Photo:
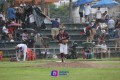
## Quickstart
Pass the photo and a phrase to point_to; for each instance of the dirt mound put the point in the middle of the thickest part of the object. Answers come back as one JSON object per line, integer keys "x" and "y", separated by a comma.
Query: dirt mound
{"x": 82, "y": 64}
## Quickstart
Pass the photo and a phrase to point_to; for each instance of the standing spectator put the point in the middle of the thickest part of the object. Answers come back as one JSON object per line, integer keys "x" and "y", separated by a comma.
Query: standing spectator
{"x": 18, "y": 15}
{"x": 104, "y": 49}
{"x": 94, "y": 27}
{"x": 55, "y": 27}
{"x": 38, "y": 42}
{"x": 106, "y": 17}
{"x": 62, "y": 38}
{"x": 117, "y": 38}
{"x": 2, "y": 14}
{"x": 11, "y": 13}
{"x": 98, "y": 15}
{"x": 21, "y": 48}
{"x": 81, "y": 8}
{"x": 88, "y": 31}
{"x": 2, "y": 24}
{"x": 111, "y": 27}
{"x": 87, "y": 12}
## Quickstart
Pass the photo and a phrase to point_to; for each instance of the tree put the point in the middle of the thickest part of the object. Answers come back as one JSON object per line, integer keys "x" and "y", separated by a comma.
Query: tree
{"x": 61, "y": 11}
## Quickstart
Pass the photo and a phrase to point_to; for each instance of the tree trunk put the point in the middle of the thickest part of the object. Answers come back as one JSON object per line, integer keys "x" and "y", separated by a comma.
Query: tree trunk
{"x": 70, "y": 10}
{"x": 42, "y": 5}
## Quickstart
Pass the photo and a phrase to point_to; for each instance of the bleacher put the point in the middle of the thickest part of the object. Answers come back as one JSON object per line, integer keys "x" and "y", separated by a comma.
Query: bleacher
{"x": 73, "y": 31}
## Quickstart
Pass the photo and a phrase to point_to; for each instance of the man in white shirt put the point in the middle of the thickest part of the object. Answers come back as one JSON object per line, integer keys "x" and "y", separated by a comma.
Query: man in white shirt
{"x": 98, "y": 15}
{"x": 21, "y": 48}
{"x": 87, "y": 11}
{"x": 104, "y": 49}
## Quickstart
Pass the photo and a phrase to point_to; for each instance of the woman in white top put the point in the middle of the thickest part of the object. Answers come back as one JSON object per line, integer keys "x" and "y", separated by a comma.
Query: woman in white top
{"x": 87, "y": 11}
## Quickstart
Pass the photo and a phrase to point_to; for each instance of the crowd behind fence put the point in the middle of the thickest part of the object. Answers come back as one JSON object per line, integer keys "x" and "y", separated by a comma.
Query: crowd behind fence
{"x": 40, "y": 52}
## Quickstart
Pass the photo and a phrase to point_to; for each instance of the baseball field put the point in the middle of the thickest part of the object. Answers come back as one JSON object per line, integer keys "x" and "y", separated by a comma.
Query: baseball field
{"x": 69, "y": 70}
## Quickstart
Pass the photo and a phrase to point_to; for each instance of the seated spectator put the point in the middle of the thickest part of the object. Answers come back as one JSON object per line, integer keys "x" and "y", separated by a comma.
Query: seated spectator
{"x": 97, "y": 50}
{"x": 88, "y": 52}
{"x": 24, "y": 36}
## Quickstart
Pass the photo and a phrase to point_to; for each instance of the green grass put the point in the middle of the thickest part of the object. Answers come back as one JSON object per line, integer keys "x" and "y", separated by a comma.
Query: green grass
{"x": 28, "y": 71}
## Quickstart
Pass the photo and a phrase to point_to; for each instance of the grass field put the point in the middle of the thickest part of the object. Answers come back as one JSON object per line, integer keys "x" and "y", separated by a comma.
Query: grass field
{"x": 40, "y": 70}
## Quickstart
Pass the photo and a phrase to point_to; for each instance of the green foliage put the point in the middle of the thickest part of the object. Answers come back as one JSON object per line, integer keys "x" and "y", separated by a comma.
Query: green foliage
{"x": 60, "y": 11}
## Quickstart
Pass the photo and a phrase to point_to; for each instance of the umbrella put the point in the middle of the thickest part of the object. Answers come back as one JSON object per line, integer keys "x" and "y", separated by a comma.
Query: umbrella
{"x": 105, "y": 3}
{"x": 84, "y": 44}
{"x": 14, "y": 24}
{"x": 82, "y": 2}
{"x": 29, "y": 30}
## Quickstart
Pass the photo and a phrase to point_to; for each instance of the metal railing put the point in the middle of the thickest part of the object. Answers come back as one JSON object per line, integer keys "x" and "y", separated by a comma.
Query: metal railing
{"x": 111, "y": 51}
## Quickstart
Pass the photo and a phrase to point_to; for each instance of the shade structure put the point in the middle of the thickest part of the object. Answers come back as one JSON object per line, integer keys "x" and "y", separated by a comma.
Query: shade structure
{"x": 82, "y": 2}
{"x": 106, "y": 3}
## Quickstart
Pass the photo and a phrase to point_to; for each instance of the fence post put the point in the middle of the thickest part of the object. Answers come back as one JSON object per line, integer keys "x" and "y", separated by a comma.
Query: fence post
{"x": 109, "y": 52}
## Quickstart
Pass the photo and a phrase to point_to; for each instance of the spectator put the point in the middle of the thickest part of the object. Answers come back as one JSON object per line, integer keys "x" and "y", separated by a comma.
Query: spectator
{"x": 94, "y": 27}
{"x": 87, "y": 51}
{"x": 104, "y": 49}
{"x": 5, "y": 33}
{"x": 106, "y": 17}
{"x": 38, "y": 42}
{"x": 117, "y": 38}
{"x": 18, "y": 16}
{"x": 88, "y": 31}
{"x": 98, "y": 32}
{"x": 81, "y": 8}
{"x": 25, "y": 36}
{"x": 62, "y": 26}
{"x": 98, "y": 15}
{"x": 55, "y": 27}
{"x": 2, "y": 14}
{"x": 87, "y": 11}
{"x": 98, "y": 50}
{"x": 111, "y": 27}
{"x": 62, "y": 38}
{"x": 11, "y": 13}
{"x": 30, "y": 42}
{"x": 2, "y": 24}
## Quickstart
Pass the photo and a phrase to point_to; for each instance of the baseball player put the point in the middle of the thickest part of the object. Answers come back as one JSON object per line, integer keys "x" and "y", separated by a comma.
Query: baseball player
{"x": 21, "y": 48}
{"x": 62, "y": 38}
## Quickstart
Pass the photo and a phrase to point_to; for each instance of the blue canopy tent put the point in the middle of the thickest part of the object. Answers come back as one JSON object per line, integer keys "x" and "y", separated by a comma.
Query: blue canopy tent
{"x": 82, "y": 2}
{"x": 105, "y": 3}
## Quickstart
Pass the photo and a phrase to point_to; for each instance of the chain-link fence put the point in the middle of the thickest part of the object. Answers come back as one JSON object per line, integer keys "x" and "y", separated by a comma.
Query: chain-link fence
{"x": 97, "y": 53}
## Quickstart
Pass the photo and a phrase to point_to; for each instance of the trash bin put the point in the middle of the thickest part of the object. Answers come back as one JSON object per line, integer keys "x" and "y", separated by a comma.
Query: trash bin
{"x": 1, "y": 55}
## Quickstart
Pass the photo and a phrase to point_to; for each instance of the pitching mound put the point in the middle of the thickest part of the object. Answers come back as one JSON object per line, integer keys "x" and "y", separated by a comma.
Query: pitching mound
{"x": 80, "y": 64}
